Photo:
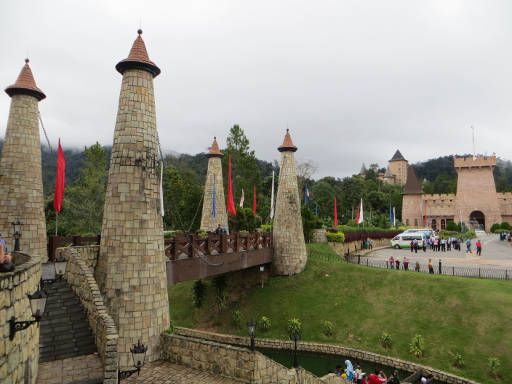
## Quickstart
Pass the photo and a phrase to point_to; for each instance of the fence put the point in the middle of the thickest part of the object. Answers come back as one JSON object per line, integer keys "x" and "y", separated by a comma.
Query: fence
{"x": 449, "y": 270}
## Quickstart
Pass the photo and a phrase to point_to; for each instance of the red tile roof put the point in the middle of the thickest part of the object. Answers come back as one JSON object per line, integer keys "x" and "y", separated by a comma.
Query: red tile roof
{"x": 214, "y": 149}
{"x": 25, "y": 84}
{"x": 138, "y": 58}
{"x": 287, "y": 143}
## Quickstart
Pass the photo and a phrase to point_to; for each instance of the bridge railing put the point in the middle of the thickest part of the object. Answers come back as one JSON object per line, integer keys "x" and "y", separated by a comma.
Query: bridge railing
{"x": 192, "y": 245}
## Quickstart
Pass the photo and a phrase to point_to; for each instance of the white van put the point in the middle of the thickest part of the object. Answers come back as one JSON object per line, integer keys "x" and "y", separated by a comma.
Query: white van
{"x": 403, "y": 240}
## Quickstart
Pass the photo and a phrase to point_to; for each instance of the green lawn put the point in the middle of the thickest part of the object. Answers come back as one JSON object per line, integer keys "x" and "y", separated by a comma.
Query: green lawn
{"x": 469, "y": 316}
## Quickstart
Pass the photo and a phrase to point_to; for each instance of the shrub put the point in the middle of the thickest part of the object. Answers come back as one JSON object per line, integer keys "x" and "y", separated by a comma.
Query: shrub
{"x": 327, "y": 328}
{"x": 505, "y": 226}
{"x": 170, "y": 330}
{"x": 495, "y": 227}
{"x": 236, "y": 318}
{"x": 294, "y": 326}
{"x": 264, "y": 323}
{"x": 266, "y": 227}
{"x": 457, "y": 359}
{"x": 219, "y": 283}
{"x": 385, "y": 340}
{"x": 494, "y": 365}
{"x": 335, "y": 237}
{"x": 417, "y": 346}
{"x": 452, "y": 226}
{"x": 198, "y": 291}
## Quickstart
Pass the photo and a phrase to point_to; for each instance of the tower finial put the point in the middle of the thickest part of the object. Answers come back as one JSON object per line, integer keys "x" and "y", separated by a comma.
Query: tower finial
{"x": 139, "y": 31}
{"x": 26, "y": 60}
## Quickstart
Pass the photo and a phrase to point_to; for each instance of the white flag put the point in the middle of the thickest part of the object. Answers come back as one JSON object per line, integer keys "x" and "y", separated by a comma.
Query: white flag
{"x": 162, "y": 188}
{"x": 360, "y": 215}
{"x": 394, "y": 217}
{"x": 242, "y": 198}
{"x": 272, "y": 199}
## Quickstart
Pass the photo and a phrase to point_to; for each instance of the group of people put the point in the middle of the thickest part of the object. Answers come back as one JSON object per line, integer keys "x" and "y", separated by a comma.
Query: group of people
{"x": 394, "y": 263}
{"x": 6, "y": 263}
{"x": 357, "y": 376}
{"x": 442, "y": 245}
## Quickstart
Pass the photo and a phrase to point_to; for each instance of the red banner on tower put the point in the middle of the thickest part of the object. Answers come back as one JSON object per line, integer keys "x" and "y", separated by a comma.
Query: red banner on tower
{"x": 231, "y": 199}
{"x": 59, "y": 180}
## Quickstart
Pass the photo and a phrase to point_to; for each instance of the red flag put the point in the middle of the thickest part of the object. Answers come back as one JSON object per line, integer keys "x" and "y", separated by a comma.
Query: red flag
{"x": 59, "y": 180}
{"x": 335, "y": 213}
{"x": 231, "y": 200}
{"x": 254, "y": 199}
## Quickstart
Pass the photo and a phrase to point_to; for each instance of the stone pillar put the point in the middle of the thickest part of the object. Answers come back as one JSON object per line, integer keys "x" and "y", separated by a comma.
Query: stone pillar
{"x": 131, "y": 265}
{"x": 21, "y": 183}
{"x": 289, "y": 247}
{"x": 214, "y": 187}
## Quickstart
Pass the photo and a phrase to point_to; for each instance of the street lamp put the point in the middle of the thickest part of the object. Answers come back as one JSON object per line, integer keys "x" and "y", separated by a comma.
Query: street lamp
{"x": 37, "y": 304}
{"x": 295, "y": 337}
{"x": 16, "y": 230}
{"x": 53, "y": 271}
{"x": 251, "y": 327}
{"x": 139, "y": 356}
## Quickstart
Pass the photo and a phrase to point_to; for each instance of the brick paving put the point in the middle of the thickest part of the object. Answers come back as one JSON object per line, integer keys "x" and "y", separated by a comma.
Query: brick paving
{"x": 163, "y": 372}
{"x": 84, "y": 369}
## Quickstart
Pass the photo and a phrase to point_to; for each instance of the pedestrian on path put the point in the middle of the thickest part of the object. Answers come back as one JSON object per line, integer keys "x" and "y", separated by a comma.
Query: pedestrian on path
{"x": 406, "y": 263}
{"x": 430, "y": 267}
{"x": 479, "y": 247}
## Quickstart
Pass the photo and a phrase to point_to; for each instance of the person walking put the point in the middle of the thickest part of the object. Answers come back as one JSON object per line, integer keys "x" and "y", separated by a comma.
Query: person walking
{"x": 468, "y": 246}
{"x": 479, "y": 247}
{"x": 391, "y": 262}
{"x": 430, "y": 267}
{"x": 417, "y": 266}
{"x": 406, "y": 263}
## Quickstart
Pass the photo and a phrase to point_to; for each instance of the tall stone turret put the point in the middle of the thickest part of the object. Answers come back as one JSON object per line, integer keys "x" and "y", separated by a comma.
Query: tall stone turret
{"x": 21, "y": 183}
{"x": 213, "y": 215}
{"x": 289, "y": 247}
{"x": 131, "y": 265}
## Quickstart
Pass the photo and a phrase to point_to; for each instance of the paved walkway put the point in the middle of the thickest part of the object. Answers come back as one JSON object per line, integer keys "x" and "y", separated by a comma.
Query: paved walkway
{"x": 163, "y": 372}
{"x": 495, "y": 253}
{"x": 86, "y": 368}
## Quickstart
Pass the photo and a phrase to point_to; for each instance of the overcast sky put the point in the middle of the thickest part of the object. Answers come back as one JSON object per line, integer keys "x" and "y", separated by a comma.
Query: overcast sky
{"x": 353, "y": 80}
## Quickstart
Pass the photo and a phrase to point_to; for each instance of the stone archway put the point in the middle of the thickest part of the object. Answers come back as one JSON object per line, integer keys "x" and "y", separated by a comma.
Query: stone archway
{"x": 477, "y": 220}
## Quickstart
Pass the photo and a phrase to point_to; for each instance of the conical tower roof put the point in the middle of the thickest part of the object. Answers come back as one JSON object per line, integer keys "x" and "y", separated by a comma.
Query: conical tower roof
{"x": 287, "y": 143}
{"x": 138, "y": 58}
{"x": 397, "y": 156}
{"x": 214, "y": 149}
{"x": 412, "y": 185}
{"x": 25, "y": 84}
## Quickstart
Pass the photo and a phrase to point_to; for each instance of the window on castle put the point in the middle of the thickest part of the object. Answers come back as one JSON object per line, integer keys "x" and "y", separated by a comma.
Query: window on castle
{"x": 415, "y": 222}
{"x": 443, "y": 224}
{"x": 406, "y": 221}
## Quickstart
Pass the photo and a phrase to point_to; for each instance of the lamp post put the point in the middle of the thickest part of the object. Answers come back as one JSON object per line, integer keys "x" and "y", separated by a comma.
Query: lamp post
{"x": 16, "y": 230}
{"x": 138, "y": 352}
{"x": 53, "y": 271}
{"x": 295, "y": 337}
{"x": 37, "y": 304}
{"x": 251, "y": 327}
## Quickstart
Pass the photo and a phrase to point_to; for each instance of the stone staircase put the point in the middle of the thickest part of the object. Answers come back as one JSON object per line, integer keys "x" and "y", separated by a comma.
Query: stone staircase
{"x": 64, "y": 331}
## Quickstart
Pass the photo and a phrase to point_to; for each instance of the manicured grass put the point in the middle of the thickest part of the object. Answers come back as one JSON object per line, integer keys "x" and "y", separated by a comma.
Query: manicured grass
{"x": 469, "y": 316}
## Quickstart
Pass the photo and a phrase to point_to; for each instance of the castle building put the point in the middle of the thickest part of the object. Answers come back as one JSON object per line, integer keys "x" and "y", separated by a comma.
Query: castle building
{"x": 396, "y": 172}
{"x": 476, "y": 202}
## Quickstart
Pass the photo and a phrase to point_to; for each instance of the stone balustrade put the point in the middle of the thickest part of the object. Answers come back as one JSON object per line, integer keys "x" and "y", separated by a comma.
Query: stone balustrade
{"x": 80, "y": 276}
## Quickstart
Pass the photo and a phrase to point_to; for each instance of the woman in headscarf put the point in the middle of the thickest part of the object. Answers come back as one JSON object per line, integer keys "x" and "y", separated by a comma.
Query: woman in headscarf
{"x": 349, "y": 370}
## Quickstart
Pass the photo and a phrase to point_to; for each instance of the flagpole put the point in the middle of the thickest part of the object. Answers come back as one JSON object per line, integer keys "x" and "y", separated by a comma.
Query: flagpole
{"x": 56, "y": 222}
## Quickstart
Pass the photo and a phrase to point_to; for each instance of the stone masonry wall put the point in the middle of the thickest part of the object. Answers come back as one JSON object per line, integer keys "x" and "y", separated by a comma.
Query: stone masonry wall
{"x": 330, "y": 349}
{"x": 131, "y": 265}
{"x": 289, "y": 247}
{"x": 21, "y": 184}
{"x": 208, "y": 222}
{"x": 19, "y": 358}
{"x": 342, "y": 249}
{"x": 80, "y": 276}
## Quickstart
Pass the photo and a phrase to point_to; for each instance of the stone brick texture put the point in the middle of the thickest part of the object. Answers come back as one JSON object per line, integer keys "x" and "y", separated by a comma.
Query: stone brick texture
{"x": 398, "y": 169}
{"x": 80, "y": 276}
{"x": 289, "y": 247}
{"x": 21, "y": 183}
{"x": 330, "y": 349}
{"x": 208, "y": 222}
{"x": 81, "y": 369}
{"x": 19, "y": 357}
{"x": 131, "y": 265}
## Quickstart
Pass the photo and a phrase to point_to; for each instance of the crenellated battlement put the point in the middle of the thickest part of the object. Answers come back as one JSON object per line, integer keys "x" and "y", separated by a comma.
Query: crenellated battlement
{"x": 477, "y": 161}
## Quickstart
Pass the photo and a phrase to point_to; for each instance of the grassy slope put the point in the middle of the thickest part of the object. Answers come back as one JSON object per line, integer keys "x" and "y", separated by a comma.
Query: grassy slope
{"x": 473, "y": 317}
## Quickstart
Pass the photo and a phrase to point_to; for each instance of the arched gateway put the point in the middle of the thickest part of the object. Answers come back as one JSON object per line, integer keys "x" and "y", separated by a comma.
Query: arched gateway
{"x": 477, "y": 220}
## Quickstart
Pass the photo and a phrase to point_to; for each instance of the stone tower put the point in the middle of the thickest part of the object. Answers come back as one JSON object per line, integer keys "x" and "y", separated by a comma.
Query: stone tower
{"x": 476, "y": 191}
{"x": 131, "y": 265}
{"x": 412, "y": 200}
{"x": 21, "y": 183}
{"x": 289, "y": 247}
{"x": 398, "y": 168}
{"x": 213, "y": 215}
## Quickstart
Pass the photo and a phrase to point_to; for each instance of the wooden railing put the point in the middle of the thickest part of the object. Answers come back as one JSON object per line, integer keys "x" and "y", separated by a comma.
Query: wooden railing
{"x": 190, "y": 246}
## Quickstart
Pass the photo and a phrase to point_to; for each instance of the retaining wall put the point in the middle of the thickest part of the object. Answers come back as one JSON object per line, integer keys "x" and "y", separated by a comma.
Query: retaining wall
{"x": 355, "y": 246}
{"x": 19, "y": 358}
{"x": 80, "y": 276}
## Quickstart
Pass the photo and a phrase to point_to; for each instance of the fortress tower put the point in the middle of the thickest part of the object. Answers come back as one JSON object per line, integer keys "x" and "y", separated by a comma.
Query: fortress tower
{"x": 214, "y": 213}
{"x": 21, "y": 184}
{"x": 397, "y": 167}
{"x": 412, "y": 200}
{"x": 131, "y": 265}
{"x": 289, "y": 247}
{"x": 477, "y": 200}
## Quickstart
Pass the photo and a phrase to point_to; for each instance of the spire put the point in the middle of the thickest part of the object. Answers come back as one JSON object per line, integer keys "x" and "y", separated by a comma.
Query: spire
{"x": 412, "y": 185}
{"x": 287, "y": 143}
{"x": 25, "y": 84}
{"x": 214, "y": 149}
{"x": 397, "y": 156}
{"x": 138, "y": 58}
